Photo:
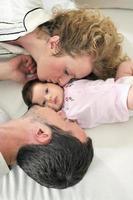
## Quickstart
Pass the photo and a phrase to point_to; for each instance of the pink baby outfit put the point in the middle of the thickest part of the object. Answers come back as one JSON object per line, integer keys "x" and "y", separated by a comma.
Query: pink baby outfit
{"x": 92, "y": 103}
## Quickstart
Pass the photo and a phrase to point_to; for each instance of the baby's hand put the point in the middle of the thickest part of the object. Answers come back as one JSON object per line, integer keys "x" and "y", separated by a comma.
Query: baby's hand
{"x": 20, "y": 67}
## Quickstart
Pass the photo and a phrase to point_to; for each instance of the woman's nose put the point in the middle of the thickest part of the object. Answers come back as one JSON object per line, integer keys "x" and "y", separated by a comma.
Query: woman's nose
{"x": 63, "y": 80}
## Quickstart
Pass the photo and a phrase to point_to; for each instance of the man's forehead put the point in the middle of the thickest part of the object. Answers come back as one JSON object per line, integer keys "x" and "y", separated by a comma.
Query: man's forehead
{"x": 34, "y": 110}
{"x": 39, "y": 109}
{"x": 43, "y": 112}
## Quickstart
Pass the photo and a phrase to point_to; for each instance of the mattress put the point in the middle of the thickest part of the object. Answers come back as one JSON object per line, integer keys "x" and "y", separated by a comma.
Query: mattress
{"x": 110, "y": 176}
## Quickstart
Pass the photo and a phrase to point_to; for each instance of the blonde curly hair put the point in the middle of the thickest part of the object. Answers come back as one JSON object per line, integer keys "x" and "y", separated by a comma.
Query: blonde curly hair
{"x": 87, "y": 32}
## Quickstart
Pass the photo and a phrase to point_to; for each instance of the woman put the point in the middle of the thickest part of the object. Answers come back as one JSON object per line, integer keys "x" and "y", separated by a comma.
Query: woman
{"x": 73, "y": 44}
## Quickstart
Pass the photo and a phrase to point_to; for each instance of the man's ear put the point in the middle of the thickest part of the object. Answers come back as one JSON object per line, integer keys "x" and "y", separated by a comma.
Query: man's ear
{"x": 43, "y": 135}
{"x": 53, "y": 43}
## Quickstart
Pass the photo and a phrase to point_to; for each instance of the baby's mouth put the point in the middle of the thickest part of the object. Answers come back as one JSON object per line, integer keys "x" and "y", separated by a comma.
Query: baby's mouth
{"x": 54, "y": 100}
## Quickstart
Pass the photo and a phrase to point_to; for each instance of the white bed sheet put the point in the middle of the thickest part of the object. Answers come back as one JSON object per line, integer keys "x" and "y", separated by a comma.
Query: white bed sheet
{"x": 110, "y": 177}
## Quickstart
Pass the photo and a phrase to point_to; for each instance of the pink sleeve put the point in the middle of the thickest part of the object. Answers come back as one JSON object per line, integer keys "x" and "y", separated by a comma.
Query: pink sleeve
{"x": 94, "y": 103}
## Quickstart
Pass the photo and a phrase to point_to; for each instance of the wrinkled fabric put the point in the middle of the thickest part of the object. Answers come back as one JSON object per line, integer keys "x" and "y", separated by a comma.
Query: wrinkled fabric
{"x": 92, "y": 103}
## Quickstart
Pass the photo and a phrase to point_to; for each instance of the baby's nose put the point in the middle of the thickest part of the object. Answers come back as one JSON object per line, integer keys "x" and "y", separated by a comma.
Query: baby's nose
{"x": 49, "y": 98}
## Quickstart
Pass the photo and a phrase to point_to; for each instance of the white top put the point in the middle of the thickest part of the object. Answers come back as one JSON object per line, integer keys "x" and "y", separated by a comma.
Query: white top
{"x": 20, "y": 17}
{"x": 3, "y": 166}
{"x": 16, "y": 22}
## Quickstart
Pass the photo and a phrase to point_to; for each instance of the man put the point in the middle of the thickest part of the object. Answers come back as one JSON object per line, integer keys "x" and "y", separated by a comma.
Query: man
{"x": 50, "y": 149}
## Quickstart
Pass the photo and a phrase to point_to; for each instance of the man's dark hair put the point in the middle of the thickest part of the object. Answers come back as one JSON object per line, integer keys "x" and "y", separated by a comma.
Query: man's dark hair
{"x": 60, "y": 164}
{"x": 27, "y": 91}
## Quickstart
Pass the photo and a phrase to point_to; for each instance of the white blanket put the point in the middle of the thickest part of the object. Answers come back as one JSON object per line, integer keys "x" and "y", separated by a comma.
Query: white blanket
{"x": 110, "y": 177}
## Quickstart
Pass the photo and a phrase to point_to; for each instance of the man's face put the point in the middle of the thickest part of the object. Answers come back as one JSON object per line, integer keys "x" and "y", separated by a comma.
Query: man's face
{"x": 54, "y": 118}
{"x": 48, "y": 95}
{"x": 64, "y": 68}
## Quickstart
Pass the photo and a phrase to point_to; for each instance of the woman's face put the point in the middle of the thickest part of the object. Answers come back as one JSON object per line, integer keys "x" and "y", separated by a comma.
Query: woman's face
{"x": 62, "y": 69}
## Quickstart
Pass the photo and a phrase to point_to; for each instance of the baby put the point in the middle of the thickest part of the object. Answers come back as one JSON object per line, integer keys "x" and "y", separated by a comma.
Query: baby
{"x": 88, "y": 102}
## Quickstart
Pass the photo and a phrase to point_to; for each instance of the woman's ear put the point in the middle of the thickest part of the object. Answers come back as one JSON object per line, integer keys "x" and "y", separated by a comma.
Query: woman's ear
{"x": 43, "y": 135}
{"x": 53, "y": 43}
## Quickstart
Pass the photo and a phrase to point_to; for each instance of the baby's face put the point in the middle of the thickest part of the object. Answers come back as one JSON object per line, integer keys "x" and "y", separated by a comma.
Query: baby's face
{"x": 49, "y": 95}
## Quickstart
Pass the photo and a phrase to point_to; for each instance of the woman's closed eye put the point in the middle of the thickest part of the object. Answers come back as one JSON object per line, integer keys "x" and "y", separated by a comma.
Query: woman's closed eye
{"x": 66, "y": 72}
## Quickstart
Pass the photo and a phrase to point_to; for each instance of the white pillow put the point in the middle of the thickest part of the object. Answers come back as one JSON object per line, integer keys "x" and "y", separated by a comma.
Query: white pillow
{"x": 11, "y": 99}
{"x": 125, "y": 4}
{"x": 3, "y": 116}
